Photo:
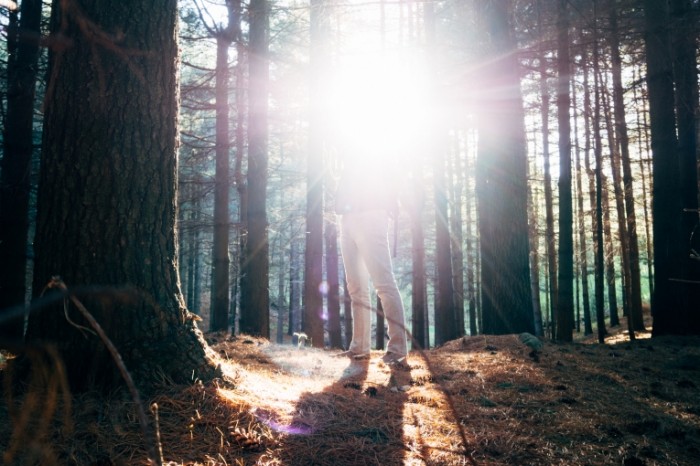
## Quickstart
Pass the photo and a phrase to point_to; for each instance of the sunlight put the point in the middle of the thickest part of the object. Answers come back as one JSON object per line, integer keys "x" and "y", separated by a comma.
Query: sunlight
{"x": 379, "y": 108}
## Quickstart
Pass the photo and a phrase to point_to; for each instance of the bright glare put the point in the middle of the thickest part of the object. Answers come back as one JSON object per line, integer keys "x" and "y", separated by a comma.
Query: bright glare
{"x": 379, "y": 108}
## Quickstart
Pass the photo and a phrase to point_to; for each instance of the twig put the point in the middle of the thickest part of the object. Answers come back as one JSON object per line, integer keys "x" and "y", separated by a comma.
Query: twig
{"x": 56, "y": 282}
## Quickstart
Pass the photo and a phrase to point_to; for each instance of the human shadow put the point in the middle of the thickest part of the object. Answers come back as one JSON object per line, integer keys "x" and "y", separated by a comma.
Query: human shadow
{"x": 358, "y": 420}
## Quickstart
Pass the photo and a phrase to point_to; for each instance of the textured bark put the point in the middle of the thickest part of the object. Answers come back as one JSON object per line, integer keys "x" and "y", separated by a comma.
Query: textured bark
{"x": 669, "y": 313}
{"x": 15, "y": 168}
{"x": 255, "y": 276}
{"x": 107, "y": 196}
{"x": 502, "y": 185}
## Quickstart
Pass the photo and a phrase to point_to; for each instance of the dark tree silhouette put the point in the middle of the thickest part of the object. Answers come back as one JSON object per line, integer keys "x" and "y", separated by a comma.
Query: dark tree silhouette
{"x": 107, "y": 195}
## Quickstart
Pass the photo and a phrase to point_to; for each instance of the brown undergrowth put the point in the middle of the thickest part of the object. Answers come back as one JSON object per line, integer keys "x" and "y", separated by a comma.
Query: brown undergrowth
{"x": 478, "y": 400}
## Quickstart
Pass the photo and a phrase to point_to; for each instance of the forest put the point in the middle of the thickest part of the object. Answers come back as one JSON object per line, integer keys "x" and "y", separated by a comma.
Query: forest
{"x": 172, "y": 288}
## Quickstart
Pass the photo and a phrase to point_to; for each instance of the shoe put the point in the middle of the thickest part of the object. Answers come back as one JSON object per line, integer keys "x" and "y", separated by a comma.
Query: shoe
{"x": 392, "y": 359}
{"x": 353, "y": 355}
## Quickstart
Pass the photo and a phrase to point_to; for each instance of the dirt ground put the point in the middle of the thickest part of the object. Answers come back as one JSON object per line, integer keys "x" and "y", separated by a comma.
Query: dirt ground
{"x": 487, "y": 400}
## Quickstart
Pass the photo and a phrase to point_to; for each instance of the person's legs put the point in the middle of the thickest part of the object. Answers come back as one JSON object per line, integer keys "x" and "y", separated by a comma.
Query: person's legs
{"x": 373, "y": 246}
{"x": 357, "y": 278}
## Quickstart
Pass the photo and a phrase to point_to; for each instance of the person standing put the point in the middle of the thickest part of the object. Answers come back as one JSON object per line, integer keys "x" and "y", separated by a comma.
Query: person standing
{"x": 366, "y": 200}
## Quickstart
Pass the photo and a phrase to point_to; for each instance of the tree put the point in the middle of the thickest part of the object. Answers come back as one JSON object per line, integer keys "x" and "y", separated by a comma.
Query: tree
{"x": 684, "y": 40}
{"x": 502, "y": 184}
{"x": 313, "y": 266}
{"x": 445, "y": 312}
{"x": 255, "y": 294}
{"x": 15, "y": 167}
{"x": 635, "y": 319}
{"x": 220, "y": 299}
{"x": 669, "y": 314}
{"x": 565, "y": 310}
{"x": 107, "y": 203}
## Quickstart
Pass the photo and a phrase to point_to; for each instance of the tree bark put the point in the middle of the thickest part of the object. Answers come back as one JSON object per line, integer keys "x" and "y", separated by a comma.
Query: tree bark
{"x": 635, "y": 319}
{"x": 255, "y": 295}
{"x": 15, "y": 165}
{"x": 220, "y": 283}
{"x": 565, "y": 309}
{"x": 313, "y": 269}
{"x": 107, "y": 203}
{"x": 669, "y": 313}
{"x": 502, "y": 185}
{"x": 684, "y": 40}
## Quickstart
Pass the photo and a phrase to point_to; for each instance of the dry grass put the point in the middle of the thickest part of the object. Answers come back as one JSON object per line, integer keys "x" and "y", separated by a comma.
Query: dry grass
{"x": 478, "y": 400}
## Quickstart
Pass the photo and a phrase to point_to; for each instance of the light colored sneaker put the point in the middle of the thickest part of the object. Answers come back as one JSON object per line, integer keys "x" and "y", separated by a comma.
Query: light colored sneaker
{"x": 391, "y": 359}
{"x": 353, "y": 355}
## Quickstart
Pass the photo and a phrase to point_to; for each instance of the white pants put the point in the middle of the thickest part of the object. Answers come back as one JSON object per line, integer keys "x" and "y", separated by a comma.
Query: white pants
{"x": 364, "y": 244}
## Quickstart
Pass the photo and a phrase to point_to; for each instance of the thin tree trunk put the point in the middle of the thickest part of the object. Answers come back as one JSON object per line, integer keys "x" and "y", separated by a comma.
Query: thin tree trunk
{"x": 456, "y": 181}
{"x": 565, "y": 308}
{"x": 620, "y": 209}
{"x": 550, "y": 239}
{"x": 635, "y": 318}
{"x": 255, "y": 277}
{"x": 313, "y": 269}
{"x": 418, "y": 280}
{"x": 445, "y": 325}
{"x": 609, "y": 249}
{"x": 220, "y": 297}
{"x": 598, "y": 149}
{"x": 239, "y": 179}
{"x": 335, "y": 335}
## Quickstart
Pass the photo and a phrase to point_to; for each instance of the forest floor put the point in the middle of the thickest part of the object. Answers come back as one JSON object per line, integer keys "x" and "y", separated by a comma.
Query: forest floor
{"x": 485, "y": 400}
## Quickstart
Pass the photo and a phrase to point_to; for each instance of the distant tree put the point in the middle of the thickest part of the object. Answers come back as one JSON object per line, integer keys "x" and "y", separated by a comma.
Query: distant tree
{"x": 635, "y": 318}
{"x": 565, "y": 309}
{"x": 107, "y": 192}
{"x": 255, "y": 277}
{"x": 445, "y": 312}
{"x": 220, "y": 297}
{"x": 15, "y": 166}
{"x": 502, "y": 183}
{"x": 313, "y": 266}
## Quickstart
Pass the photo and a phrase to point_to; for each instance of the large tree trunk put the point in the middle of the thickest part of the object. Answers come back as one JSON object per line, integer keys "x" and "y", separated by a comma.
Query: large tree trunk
{"x": 502, "y": 185}
{"x": 669, "y": 314}
{"x": 107, "y": 196}
{"x": 255, "y": 293}
{"x": 15, "y": 168}
{"x": 684, "y": 40}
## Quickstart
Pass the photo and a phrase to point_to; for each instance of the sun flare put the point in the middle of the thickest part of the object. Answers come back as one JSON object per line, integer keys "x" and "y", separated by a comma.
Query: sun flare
{"x": 379, "y": 108}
